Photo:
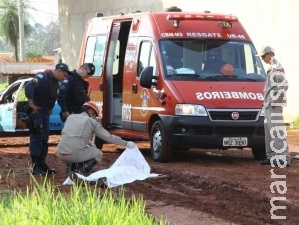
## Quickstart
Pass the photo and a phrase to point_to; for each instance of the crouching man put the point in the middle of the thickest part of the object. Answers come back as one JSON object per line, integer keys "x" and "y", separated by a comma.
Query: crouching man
{"x": 75, "y": 146}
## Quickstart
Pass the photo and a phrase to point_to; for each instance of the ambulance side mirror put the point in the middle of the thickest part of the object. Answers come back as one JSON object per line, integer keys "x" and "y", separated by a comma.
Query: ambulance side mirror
{"x": 147, "y": 78}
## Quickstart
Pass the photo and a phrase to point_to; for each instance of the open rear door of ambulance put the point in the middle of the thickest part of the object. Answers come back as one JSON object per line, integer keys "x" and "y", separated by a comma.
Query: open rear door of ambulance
{"x": 94, "y": 50}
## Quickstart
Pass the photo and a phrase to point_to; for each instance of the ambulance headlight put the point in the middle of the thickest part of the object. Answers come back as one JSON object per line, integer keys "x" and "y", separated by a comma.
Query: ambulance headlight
{"x": 262, "y": 113}
{"x": 190, "y": 110}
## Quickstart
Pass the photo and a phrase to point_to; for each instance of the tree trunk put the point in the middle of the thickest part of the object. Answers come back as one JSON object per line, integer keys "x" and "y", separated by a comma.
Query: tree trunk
{"x": 16, "y": 52}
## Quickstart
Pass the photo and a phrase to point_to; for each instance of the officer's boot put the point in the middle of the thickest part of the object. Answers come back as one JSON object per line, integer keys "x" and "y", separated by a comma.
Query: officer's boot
{"x": 45, "y": 167}
{"x": 70, "y": 167}
{"x": 79, "y": 168}
{"x": 36, "y": 168}
{"x": 88, "y": 165}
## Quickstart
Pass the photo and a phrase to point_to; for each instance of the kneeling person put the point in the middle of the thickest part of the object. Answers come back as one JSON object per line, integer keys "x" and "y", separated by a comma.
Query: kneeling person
{"x": 75, "y": 146}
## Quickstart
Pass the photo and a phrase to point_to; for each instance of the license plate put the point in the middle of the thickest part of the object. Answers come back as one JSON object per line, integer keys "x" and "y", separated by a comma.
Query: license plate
{"x": 235, "y": 141}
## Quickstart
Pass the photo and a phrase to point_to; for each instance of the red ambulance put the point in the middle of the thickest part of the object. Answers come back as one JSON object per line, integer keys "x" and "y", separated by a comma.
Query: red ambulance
{"x": 181, "y": 80}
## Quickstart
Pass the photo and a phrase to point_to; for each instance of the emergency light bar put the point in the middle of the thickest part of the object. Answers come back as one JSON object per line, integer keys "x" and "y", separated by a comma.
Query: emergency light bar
{"x": 222, "y": 18}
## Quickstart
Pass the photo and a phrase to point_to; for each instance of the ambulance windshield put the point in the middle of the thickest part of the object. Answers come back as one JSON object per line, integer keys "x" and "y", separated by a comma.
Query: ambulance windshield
{"x": 211, "y": 60}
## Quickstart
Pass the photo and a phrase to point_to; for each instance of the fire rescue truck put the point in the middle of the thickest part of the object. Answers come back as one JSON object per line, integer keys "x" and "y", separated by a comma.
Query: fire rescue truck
{"x": 181, "y": 80}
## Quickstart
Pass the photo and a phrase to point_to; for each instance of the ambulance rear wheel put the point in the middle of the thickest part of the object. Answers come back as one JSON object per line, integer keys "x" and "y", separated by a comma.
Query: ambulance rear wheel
{"x": 160, "y": 149}
{"x": 259, "y": 153}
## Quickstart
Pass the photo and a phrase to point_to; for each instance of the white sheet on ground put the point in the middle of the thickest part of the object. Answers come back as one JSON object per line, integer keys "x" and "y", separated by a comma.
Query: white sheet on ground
{"x": 129, "y": 166}
{"x": 296, "y": 157}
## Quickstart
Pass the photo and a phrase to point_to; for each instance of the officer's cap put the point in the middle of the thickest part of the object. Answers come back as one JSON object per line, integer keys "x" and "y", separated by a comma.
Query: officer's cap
{"x": 265, "y": 50}
{"x": 91, "y": 68}
{"x": 62, "y": 66}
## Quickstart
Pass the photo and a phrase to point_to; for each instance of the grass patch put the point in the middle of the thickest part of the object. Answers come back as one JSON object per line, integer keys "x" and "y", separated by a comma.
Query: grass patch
{"x": 3, "y": 85}
{"x": 84, "y": 204}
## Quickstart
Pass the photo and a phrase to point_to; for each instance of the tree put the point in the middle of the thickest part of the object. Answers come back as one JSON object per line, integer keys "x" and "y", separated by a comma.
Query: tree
{"x": 42, "y": 39}
{"x": 52, "y": 39}
{"x": 9, "y": 23}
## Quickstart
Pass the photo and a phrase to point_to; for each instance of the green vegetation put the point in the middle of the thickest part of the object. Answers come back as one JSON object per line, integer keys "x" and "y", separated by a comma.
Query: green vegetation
{"x": 33, "y": 55}
{"x": 39, "y": 39}
{"x": 296, "y": 124}
{"x": 3, "y": 85}
{"x": 22, "y": 96}
{"x": 84, "y": 204}
{"x": 9, "y": 23}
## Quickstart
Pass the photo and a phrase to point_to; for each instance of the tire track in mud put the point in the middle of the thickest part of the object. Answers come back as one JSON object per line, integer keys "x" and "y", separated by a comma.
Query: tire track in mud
{"x": 226, "y": 200}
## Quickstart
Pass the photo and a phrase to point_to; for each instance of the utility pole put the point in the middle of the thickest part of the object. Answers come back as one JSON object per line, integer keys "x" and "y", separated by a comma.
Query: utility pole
{"x": 21, "y": 31}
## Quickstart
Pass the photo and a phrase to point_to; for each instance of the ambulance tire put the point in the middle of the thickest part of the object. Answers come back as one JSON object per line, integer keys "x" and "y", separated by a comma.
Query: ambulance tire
{"x": 160, "y": 149}
{"x": 259, "y": 153}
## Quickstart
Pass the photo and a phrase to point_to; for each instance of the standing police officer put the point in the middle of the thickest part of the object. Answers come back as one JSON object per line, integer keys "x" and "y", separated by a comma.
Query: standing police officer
{"x": 73, "y": 92}
{"x": 41, "y": 92}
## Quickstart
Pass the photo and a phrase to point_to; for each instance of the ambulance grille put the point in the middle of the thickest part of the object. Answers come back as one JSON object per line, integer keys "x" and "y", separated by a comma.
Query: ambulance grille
{"x": 226, "y": 115}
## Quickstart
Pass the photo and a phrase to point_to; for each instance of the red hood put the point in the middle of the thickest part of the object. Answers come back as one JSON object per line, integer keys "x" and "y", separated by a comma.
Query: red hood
{"x": 222, "y": 94}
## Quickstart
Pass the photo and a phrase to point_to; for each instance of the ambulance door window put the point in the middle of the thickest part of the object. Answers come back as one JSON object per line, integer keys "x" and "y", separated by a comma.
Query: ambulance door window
{"x": 95, "y": 52}
{"x": 146, "y": 57}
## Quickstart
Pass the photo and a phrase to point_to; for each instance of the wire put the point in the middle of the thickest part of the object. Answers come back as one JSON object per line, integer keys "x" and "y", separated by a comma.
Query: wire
{"x": 53, "y": 14}
{"x": 49, "y": 2}
{"x": 31, "y": 8}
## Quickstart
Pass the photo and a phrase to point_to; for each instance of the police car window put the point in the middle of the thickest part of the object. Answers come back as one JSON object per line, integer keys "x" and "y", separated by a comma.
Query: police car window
{"x": 10, "y": 93}
{"x": 21, "y": 95}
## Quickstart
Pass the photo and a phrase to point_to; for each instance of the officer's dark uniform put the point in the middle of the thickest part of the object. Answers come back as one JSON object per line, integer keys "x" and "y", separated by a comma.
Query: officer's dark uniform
{"x": 73, "y": 93}
{"x": 43, "y": 90}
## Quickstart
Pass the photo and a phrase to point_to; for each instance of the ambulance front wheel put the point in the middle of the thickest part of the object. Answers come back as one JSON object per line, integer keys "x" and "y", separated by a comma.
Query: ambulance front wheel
{"x": 259, "y": 153}
{"x": 160, "y": 149}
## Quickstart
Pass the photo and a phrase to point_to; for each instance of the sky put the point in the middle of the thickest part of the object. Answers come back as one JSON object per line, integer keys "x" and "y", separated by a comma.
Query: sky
{"x": 45, "y": 11}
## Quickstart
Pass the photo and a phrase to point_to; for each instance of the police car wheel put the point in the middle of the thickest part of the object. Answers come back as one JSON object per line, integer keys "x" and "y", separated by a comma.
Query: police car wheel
{"x": 259, "y": 153}
{"x": 160, "y": 149}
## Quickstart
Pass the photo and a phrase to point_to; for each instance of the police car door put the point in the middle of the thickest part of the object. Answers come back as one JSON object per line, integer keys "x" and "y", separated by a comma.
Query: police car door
{"x": 8, "y": 106}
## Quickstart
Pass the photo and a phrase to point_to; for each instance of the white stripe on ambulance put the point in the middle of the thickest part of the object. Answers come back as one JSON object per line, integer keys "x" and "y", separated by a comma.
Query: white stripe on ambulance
{"x": 229, "y": 95}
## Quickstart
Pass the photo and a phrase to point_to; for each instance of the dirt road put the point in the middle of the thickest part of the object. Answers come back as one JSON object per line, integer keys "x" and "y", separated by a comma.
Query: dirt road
{"x": 200, "y": 186}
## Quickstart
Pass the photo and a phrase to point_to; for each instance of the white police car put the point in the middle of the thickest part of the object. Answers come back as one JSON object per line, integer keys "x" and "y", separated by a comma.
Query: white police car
{"x": 13, "y": 104}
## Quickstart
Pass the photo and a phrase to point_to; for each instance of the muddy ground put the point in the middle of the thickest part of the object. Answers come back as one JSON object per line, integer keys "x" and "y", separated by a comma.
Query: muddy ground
{"x": 199, "y": 187}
